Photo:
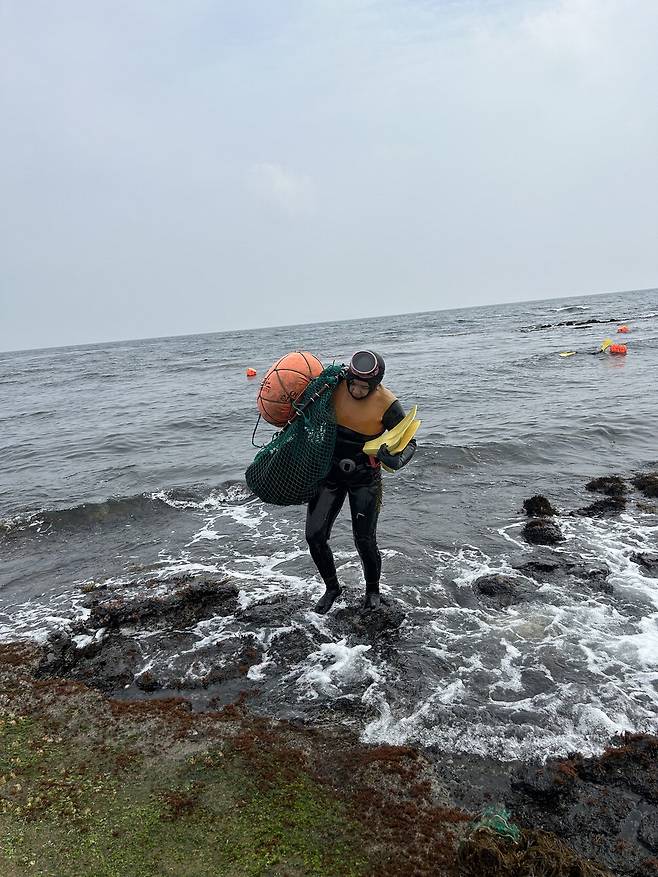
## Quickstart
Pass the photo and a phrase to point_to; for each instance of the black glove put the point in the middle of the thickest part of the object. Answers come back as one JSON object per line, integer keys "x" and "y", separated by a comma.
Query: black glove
{"x": 396, "y": 461}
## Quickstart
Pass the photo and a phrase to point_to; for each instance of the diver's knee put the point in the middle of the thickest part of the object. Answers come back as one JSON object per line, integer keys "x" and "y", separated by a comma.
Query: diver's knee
{"x": 366, "y": 544}
{"x": 316, "y": 539}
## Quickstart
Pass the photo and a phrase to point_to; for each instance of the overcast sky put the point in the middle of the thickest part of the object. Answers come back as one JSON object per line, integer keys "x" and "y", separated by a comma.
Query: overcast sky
{"x": 172, "y": 167}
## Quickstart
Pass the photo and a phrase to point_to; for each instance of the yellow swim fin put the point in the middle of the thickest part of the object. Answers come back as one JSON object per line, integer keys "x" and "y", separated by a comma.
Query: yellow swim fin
{"x": 605, "y": 344}
{"x": 568, "y": 353}
{"x": 390, "y": 436}
{"x": 406, "y": 437}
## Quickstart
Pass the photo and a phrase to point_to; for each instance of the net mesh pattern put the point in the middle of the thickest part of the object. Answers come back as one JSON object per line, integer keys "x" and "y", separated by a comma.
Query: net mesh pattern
{"x": 290, "y": 469}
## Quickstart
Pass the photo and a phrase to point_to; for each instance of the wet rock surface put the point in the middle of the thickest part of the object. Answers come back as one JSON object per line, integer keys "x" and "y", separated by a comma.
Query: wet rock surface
{"x": 648, "y": 831}
{"x": 579, "y": 324}
{"x": 500, "y": 591}
{"x": 647, "y": 561}
{"x": 561, "y": 568}
{"x": 603, "y": 508}
{"x": 604, "y": 808}
{"x": 381, "y": 623}
{"x": 187, "y": 600}
{"x": 617, "y": 492}
{"x": 294, "y": 645}
{"x": 542, "y": 531}
{"x": 542, "y": 562}
{"x": 538, "y": 506}
{"x": 147, "y": 639}
{"x": 272, "y": 612}
{"x": 611, "y": 485}
{"x": 647, "y": 483}
{"x": 110, "y": 650}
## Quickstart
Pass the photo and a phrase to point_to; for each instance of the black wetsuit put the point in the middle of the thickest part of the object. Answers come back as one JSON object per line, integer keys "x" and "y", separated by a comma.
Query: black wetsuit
{"x": 363, "y": 485}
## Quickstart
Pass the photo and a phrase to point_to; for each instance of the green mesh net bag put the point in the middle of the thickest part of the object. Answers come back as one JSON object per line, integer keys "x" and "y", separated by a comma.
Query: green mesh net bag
{"x": 290, "y": 469}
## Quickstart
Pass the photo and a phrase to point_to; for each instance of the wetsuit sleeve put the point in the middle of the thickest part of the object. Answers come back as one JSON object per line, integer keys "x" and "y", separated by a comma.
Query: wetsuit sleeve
{"x": 391, "y": 417}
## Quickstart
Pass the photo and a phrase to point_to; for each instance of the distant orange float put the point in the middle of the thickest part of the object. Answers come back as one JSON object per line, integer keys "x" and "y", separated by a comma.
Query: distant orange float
{"x": 251, "y": 372}
{"x": 623, "y": 329}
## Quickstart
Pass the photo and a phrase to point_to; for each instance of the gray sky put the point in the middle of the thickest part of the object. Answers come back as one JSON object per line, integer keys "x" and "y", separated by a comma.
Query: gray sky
{"x": 171, "y": 167}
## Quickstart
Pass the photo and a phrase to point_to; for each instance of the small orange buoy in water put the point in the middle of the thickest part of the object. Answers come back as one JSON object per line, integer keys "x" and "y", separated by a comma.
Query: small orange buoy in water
{"x": 251, "y": 373}
{"x": 623, "y": 329}
{"x": 618, "y": 349}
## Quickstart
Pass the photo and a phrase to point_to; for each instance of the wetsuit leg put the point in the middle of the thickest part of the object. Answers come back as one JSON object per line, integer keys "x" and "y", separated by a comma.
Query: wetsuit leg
{"x": 365, "y": 502}
{"x": 320, "y": 516}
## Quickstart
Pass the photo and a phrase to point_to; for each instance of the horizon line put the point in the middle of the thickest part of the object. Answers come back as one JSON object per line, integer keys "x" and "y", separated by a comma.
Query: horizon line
{"x": 320, "y": 323}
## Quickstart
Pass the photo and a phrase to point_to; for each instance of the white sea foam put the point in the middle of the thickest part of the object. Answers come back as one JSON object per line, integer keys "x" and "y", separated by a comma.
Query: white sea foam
{"x": 233, "y": 494}
{"x": 335, "y": 667}
{"x": 612, "y": 644}
{"x": 562, "y": 670}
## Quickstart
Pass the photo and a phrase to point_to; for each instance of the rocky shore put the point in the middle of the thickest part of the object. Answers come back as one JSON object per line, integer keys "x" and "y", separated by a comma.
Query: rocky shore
{"x": 92, "y": 784}
{"x": 113, "y": 763}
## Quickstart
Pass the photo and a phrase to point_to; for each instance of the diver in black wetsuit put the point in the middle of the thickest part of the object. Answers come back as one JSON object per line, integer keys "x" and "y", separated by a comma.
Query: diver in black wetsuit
{"x": 364, "y": 410}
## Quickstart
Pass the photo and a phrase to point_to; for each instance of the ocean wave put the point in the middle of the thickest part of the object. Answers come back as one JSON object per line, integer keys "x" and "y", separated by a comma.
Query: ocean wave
{"x": 26, "y": 415}
{"x": 121, "y": 509}
{"x": 547, "y": 446}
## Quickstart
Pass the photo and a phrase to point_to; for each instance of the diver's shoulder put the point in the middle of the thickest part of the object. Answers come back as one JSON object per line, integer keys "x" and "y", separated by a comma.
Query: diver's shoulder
{"x": 387, "y": 396}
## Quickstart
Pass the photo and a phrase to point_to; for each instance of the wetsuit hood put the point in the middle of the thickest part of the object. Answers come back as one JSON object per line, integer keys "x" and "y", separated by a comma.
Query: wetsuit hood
{"x": 367, "y": 366}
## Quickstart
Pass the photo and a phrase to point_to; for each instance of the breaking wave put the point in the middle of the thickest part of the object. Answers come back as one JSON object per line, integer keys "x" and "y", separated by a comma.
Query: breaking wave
{"x": 119, "y": 510}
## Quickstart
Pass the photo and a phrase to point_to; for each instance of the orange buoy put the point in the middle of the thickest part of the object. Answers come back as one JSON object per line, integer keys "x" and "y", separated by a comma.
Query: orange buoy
{"x": 284, "y": 382}
{"x": 618, "y": 349}
{"x": 623, "y": 329}
{"x": 251, "y": 372}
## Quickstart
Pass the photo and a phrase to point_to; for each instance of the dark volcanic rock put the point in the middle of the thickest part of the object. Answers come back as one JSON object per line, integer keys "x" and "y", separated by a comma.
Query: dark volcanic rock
{"x": 384, "y": 621}
{"x": 146, "y": 681}
{"x": 189, "y": 600}
{"x": 104, "y": 664}
{"x": 546, "y": 782}
{"x": 60, "y": 653}
{"x": 272, "y": 612}
{"x": 114, "y": 663}
{"x": 499, "y": 590}
{"x": 579, "y": 324}
{"x": 123, "y": 641}
{"x": 542, "y": 561}
{"x": 648, "y": 831}
{"x": 598, "y": 806}
{"x": 597, "y": 577}
{"x": 538, "y": 507}
{"x": 632, "y": 765}
{"x": 611, "y": 485}
{"x": 230, "y": 659}
{"x": 293, "y": 646}
{"x": 542, "y": 565}
{"x": 603, "y": 807}
{"x": 602, "y": 508}
{"x": 540, "y": 531}
{"x": 647, "y": 483}
{"x": 647, "y": 560}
